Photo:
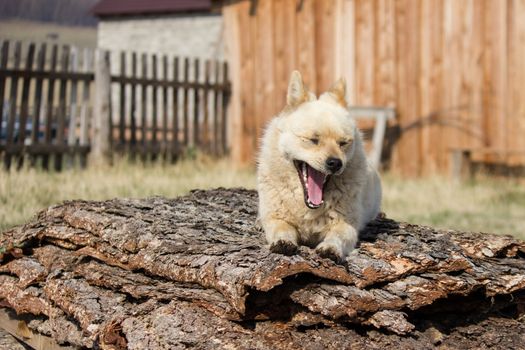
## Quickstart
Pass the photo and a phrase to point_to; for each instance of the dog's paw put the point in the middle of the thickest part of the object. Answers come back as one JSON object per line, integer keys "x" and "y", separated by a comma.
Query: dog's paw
{"x": 283, "y": 247}
{"x": 330, "y": 253}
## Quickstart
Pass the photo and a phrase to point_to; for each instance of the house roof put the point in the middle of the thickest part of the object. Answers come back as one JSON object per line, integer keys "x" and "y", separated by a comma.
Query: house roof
{"x": 137, "y": 7}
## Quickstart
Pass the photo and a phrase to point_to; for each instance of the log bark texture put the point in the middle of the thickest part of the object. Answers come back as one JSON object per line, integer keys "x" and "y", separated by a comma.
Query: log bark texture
{"x": 195, "y": 272}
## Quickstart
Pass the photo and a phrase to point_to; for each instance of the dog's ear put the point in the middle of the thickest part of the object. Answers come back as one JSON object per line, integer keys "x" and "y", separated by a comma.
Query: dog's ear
{"x": 297, "y": 92}
{"x": 336, "y": 94}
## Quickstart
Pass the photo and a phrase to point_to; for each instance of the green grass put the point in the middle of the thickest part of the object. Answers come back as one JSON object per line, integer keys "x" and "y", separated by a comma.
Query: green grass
{"x": 485, "y": 205}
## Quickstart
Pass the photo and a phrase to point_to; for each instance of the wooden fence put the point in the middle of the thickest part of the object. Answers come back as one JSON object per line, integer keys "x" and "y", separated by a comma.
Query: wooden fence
{"x": 34, "y": 120}
{"x": 184, "y": 110}
{"x": 57, "y": 104}
{"x": 453, "y": 70}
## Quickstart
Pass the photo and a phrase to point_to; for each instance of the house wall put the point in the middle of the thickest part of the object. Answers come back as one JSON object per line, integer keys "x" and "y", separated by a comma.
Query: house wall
{"x": 192, "y": 35}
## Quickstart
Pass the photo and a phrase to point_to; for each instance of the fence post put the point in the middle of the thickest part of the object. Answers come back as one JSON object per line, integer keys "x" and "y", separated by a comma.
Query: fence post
{"x": 73, "y": 115}
{"x": 101, "y": 152}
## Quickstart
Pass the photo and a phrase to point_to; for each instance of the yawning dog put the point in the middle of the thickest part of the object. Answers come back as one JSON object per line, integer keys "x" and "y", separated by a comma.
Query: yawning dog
{"x": 315, "y": 185}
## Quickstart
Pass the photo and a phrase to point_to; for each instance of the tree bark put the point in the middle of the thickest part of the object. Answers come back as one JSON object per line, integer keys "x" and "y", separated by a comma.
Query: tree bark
{"x": 195, "y": 272}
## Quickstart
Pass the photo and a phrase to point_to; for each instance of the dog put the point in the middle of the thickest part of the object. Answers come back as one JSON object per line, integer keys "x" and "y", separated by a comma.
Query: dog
{"x": 315, "y": 185}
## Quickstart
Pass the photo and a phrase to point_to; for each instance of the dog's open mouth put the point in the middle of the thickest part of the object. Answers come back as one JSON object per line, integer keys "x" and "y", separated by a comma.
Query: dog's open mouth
{"x": 313, "y": 182}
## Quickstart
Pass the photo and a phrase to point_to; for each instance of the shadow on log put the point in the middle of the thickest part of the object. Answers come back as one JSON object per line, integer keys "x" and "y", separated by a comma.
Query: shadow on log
{"x": 194, "y": 272}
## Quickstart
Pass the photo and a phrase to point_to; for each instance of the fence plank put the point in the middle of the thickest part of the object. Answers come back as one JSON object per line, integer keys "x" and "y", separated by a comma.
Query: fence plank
{"x": 283, "y": 37}
{"x": 128, "y": 80}
{"x": 164, "y": 145}
{"x": 205, "y": 97}
{"x": 143, "y": 106}
{"x": 3, "y": 65}
{"x": 122, "y": 105}
{"x": 48, "y": 149}
{"x": 154, "y": 111}
{"x": 11, "y": 118}
{"x": 365, "y": 58}
{"x": 224, "y": 107}
{"x": 175, "y": 144}
{"x": 346, "y": 43}
{"x": 21, "y": 74}
{"x": 216, "y": 109}
{"x": 495, "y": 80}
{"x": 185, "y": 110}
{"x": 37, "y": 107}
{"x": 133, "y": 108}
{"x": 246, "y": 119}
{"x": 409, "y": 148}
{"x": 196, "y": 104}
{"x": 61, "y": 121}
{"x": 71, "y": 135}
{"x": 264, "y": 65}
{"x": 41, "y": 60}
{"x": 385, "y": 51}
{"x": 72, "y": 127}
{"x": 516, "y": 76}
{"x": 431, "y": 96}
{"x": 50, "y": 100}
{"x": 84, "y": 112}
{"x": 102, "y": 117}
{"x": 24, "y": 106}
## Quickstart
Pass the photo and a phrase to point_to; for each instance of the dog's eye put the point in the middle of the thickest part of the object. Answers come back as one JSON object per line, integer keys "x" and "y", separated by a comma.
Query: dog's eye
{"x": 314, "y": 140}
{"x": 343, "y": 143}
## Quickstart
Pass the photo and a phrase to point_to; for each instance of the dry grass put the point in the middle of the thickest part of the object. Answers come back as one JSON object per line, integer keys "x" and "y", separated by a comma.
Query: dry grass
{"x": 484, "y": 205}
{"x": 23, "y": 193}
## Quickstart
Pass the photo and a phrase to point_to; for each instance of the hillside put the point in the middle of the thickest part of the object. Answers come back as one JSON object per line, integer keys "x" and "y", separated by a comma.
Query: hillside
{"x": 35, "y": 31}
{"x": 65, "y": 12}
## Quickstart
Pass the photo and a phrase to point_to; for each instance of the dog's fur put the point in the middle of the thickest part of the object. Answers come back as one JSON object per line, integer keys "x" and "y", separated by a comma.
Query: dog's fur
{"x": 312, "y": 131}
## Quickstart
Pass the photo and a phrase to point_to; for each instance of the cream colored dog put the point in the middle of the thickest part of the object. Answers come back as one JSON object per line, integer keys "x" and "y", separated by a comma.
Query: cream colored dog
{"x": 315, "y": 185}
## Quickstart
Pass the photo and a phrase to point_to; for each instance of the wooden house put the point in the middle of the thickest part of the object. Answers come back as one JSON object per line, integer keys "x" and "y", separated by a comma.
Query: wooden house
{"x": 453, "y": 70}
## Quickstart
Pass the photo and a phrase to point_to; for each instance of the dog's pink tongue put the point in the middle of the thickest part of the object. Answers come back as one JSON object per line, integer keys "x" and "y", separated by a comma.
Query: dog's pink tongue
{"x": 315, "y": 185}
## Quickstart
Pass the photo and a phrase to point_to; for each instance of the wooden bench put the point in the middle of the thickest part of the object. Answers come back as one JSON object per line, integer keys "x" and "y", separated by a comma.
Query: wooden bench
{"x": 462, "y": 158}
{"x": 381, "y": 115}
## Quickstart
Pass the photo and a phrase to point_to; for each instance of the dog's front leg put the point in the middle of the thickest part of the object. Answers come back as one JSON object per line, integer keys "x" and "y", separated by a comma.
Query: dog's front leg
{"x": 281, "y": 236}
{"x": 338, "y": 242}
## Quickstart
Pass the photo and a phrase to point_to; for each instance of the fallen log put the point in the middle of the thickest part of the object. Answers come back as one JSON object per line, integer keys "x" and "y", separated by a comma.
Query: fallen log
{"x": 193, "y": 271}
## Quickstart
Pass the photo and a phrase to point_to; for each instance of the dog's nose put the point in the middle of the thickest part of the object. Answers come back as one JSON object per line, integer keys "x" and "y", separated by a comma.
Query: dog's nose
{"x": 333, "y": 164}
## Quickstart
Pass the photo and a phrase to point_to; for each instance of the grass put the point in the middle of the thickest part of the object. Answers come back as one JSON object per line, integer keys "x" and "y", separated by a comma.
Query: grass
{"x": 23, "y": 193}
{"x": 485, "y": 205}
